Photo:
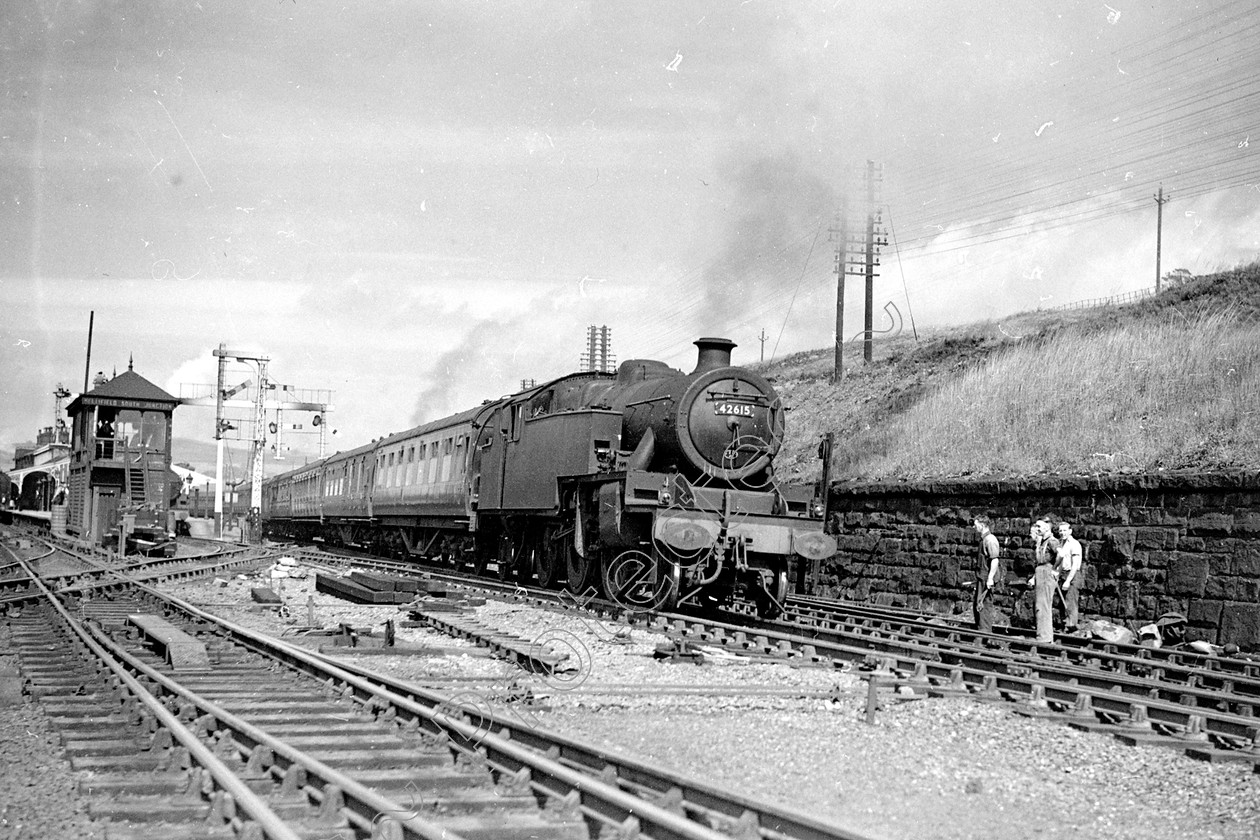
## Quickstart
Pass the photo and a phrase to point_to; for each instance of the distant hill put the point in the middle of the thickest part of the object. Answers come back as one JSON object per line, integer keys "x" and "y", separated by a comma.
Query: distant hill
{"x": 1169, "y": 382}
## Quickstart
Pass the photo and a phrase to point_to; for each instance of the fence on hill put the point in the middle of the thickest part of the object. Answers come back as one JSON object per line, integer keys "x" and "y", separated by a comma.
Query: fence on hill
{"x": 1127, "y": 297}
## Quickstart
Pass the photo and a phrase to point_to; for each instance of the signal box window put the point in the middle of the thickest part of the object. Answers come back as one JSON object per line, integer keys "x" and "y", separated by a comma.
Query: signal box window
{"x": 127, "y": 428}
{"x": 153, "y": 431}
{"x": 105, "y": 432}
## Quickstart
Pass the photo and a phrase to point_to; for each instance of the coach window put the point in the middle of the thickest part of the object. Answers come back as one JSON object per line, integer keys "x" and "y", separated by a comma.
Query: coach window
{"x": 411, "y": 465}
{"x": 447, "y": 449}
{"x": 433, "y": 462}
{"x": 460, "y": 449}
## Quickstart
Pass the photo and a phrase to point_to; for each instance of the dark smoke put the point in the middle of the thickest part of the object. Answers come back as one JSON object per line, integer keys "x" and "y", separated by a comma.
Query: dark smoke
{"x": 780, "y": 206}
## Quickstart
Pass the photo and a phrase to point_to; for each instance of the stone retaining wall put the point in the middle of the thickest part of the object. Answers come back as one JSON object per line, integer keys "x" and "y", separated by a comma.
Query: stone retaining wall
{"x": 1153, "y": 543}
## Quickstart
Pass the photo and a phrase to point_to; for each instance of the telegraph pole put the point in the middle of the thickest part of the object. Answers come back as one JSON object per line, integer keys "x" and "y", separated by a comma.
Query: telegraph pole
{"x": 871, "y": 262}
{"x": 861, "y": 264}
{"x": 838, "y": 233}
{"x": 1159, "y": 231}
{"x": 762, "y": 338}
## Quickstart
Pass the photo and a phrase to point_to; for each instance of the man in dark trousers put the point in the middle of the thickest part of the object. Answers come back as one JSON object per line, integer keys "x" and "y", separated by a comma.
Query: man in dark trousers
{"x": 986, "y": 573}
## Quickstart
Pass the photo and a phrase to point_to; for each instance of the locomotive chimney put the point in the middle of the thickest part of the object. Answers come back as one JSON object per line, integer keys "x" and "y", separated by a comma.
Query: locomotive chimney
{"x": 714, "y": 353}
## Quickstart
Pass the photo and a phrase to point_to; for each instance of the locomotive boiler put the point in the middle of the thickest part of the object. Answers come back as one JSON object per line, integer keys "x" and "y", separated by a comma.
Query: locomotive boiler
{"x": 653, "y": 486}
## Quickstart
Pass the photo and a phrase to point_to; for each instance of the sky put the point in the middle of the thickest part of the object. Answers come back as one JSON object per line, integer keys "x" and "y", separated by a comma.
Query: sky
{"x": 414, "y": 206}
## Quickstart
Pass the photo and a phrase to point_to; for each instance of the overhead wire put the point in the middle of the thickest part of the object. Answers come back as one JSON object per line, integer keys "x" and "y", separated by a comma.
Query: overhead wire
{"x": 1170, "y": 119}
{"x": 795, "y": 291}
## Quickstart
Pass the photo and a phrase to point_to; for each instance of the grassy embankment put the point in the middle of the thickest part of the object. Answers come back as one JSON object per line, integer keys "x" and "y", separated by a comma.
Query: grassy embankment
{"x": 1168, "y": 383}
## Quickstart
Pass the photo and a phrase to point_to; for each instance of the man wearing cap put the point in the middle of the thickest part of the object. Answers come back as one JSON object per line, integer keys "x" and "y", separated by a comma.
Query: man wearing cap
{"x": 1069, "y": 558}
{"x": 986, "y": 573}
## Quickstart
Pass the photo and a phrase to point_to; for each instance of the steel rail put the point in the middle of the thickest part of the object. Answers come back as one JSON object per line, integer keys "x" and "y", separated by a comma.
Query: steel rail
{"x": 598, "y": 800}
{"x": 1037, "y": 682}
{"x": 1083, "y": 694}
{"x": 1116, "y": 671}
{"x": 365, "y": 805}
{"x": 19, "y": 590}
{"x": 1176, "y": 659}
{"x": 242, "y": 796}
{"x": 546, "y": 760}
{"x": 1206, "y": 689}
{"x": 775, "y": 822}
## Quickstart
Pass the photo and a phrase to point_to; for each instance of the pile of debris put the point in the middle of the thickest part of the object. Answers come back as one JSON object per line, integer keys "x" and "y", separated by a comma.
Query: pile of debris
{"x": 1169, "y": 630}
{"x": 286, "y": 567}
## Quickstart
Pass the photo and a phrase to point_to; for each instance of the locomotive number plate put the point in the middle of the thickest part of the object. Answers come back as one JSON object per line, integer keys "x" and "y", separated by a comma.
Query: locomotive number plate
{"x": 733, "y": 409}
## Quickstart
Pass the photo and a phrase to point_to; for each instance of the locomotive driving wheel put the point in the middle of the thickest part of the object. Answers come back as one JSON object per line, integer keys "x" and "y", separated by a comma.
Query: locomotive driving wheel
{"x": 549, "y": 561}
{"x": 769, "y": 592}
{"x": 642, "y": 582}
{"x": 582, "y": 573}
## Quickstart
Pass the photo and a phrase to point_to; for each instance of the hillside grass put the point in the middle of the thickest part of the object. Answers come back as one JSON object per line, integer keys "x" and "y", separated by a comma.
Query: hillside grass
{"x": 1168, "y": 383}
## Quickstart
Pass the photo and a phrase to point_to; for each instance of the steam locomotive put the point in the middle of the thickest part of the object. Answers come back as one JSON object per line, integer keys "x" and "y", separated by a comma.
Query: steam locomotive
{"x": 653, "y": 486}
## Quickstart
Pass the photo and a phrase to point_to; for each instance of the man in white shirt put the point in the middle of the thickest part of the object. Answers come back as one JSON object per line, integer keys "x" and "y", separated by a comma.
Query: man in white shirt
{"x": 1069, "y": 562}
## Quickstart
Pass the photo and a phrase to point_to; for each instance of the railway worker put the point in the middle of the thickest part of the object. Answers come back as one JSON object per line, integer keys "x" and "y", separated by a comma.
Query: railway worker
{"x": 986, "y": 573}
{"x": 1045, "y": 551}
{"x": 1069, "y": 561}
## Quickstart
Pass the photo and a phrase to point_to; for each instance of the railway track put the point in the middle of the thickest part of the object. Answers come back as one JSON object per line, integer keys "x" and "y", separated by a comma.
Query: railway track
{"x": 93, "y": 570}
{"x": 244, "y": 735}
{"x": 1207, "y": 706}
{"x": 806, "y": 611}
